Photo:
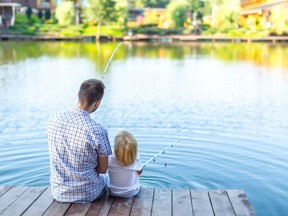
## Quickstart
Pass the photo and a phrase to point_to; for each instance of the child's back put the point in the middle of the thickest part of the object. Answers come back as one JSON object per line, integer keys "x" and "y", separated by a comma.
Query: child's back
{"x": 123, "y": 180}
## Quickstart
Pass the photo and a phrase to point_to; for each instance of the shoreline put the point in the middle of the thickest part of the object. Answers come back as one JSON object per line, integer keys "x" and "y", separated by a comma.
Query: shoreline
{"x": 151, "y": 38}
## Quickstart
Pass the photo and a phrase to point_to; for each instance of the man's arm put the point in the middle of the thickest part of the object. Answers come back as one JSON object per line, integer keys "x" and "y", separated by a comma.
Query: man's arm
{"x": 102, "y": 164}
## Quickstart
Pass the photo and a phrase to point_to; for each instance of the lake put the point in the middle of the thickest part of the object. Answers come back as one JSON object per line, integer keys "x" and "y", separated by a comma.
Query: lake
{"x": 223, "y": 106}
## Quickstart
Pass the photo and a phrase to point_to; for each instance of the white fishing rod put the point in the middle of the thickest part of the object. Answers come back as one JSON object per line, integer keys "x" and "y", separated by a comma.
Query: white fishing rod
{"x": 111, "y": 57}
{"x": 157, "y": 155}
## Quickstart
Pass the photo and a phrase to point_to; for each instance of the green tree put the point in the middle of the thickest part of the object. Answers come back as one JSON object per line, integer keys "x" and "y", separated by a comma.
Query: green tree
{"x": 65, "y": 13}
{"x": 197, "y": 8}
{"x": 121, "y": 9}
{"x": 99, "y": 12}
{"x": 279, "y": 19}
{"x": 135, "y": 4}
{"x": 177, "y": 11}
{"x": 225, "y": 13}
{"x": 155, "y": 3}
{"x": 47, "y": 14}
{"x": 40, "y": 14}
{"x": 29, "y": 12}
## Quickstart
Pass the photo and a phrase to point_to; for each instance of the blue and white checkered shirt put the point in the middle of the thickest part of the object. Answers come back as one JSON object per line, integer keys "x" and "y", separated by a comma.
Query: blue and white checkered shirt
{"x": 75, "y": 141}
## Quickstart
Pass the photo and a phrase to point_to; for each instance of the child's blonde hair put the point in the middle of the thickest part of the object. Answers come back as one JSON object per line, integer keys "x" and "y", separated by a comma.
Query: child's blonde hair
{"x": 125, "y": 148}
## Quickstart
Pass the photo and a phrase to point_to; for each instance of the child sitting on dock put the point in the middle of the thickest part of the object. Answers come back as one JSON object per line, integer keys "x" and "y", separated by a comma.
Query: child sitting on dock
{"x": 124, "y": 167}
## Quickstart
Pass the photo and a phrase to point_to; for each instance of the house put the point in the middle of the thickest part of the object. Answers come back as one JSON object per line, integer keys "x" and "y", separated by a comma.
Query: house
{"x": 147, "y": 16}
{"x": 8, "y": 8}
{"x": 259, "y": 11}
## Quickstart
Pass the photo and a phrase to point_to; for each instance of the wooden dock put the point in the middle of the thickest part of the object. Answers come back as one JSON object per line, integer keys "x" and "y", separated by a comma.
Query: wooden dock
{"x": 34, "y": 201}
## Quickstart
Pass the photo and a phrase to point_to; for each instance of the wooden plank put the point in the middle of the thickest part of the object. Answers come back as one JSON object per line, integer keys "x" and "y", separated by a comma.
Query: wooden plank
{"x": 240, "y": 203}
{"x": 220, "y": 203}
{"x": 182, "y": 203}
{"x": 121, "y": 206}
{"x": 57, "y": 208}
{"x": 4, "y": 189}
{"x": 96, "y": 206}
{"x": 162, "y": 202}
{"x": 105, "y": 208}
{"x": 24, "y": 201}
{"x": 201, "y": 203}
{"x": 30, "y": 201}
{"x": 142, "y": 204}
{"x": 77, "y": 209}
{"x": 10, "y": 196}
{"x": 41, "y": 204}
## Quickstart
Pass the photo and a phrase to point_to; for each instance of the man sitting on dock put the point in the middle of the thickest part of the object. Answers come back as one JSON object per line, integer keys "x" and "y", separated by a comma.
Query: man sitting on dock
{"x": 79, "y": 148}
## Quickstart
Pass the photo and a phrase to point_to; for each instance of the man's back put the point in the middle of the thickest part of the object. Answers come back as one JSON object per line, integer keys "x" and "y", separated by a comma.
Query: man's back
{"x": 75, "y": 142}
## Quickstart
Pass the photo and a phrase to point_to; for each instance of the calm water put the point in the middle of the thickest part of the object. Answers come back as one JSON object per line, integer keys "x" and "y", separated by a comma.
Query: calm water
{"x": 223, "y": 106}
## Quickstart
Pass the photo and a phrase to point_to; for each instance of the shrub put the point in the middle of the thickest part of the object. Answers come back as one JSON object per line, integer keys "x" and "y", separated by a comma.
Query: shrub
{"x": 69, "y": 33}
{"x": 47, "y": 14}
{"x": 21, "y": 19}
{"x": 29, "y": 12}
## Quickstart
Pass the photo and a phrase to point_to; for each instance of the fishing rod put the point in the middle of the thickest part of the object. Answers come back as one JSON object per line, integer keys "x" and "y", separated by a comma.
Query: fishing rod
{"x": 111, "y": 57}
{"x": 155, "y": 156}
{"x": 115, "y": 50}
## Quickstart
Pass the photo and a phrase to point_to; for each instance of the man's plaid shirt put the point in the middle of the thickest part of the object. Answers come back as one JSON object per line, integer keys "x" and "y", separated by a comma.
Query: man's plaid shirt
{"x": 75, "y": 141}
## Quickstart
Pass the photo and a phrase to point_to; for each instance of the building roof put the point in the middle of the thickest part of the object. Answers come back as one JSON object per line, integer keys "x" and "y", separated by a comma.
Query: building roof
{"x": 264, "y": 7}
{"x": 10, "y": 5}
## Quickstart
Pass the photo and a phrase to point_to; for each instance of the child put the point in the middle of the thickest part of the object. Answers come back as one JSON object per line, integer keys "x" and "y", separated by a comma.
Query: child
{"x": 124, "y": 166}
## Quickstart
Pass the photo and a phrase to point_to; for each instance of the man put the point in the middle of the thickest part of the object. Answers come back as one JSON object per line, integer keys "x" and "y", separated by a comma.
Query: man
{"x": 79, "y": 149}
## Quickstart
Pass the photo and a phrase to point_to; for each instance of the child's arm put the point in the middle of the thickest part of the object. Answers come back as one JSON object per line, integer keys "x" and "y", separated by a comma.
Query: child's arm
{"x": 139, "y": 167}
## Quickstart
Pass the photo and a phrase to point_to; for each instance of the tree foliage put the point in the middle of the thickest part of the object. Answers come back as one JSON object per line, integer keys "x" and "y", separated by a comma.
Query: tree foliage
{"x": 29, "y": 12}
{"x": 225, "y": 12}
{"x": 197, "y": 7}
{"x": 155, "y": 3}
{"x": 177, "y": 11}
{"x": 65, "y": 13}
{"x": 47, "y": 14}
{"x": 279, "y": 19}
{"x": 121, "y": 10}
{"x": 148, "y": 3}
{"x": 99, "y": 12}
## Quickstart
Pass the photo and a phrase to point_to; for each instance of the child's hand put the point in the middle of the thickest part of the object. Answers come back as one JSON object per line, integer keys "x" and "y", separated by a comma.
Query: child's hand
{"x": 139, "y": 172}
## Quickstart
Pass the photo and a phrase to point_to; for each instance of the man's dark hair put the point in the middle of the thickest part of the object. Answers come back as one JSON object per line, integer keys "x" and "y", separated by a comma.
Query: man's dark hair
{"x": 90, "y": 91}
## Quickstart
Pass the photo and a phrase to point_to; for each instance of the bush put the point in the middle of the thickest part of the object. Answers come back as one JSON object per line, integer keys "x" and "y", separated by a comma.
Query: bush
{"x": 154, "y": 30}
{"x": 21, "y": 19}
{"x": 40, "y": 14}
{"x": 113, "y": 31}
{"x": 50, "y": 21}
{"x": 29, "y": 12}
{"x": 47, "y": 15}
{"x": 148, "y": 30}
{"x": 69, "y": 33}
{"x": 23, "y": 30}
{"x": 209, "y": 31}
{"x": 90, "y": 30}
{"x": 34, "y": 20}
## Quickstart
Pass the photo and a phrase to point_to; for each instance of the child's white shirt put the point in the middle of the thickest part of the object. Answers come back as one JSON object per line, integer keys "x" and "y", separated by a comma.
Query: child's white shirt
{"x": 123, "y": 181}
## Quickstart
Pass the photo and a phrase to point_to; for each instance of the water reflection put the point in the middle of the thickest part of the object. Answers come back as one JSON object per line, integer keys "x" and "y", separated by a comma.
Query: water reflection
{"x": 260, "y": 54}
{"x": 222, "y": 105}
